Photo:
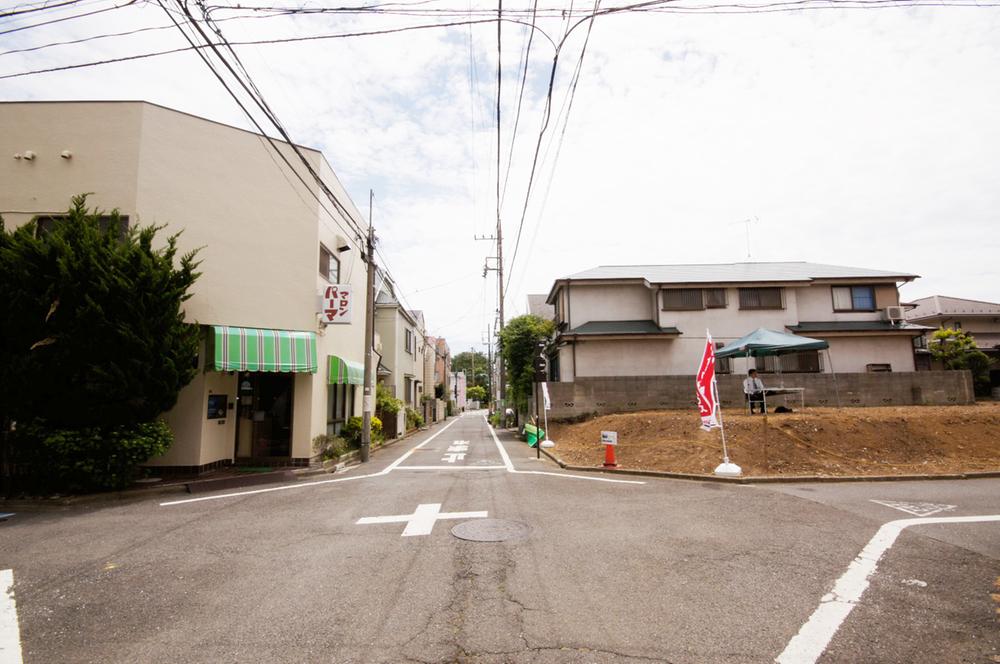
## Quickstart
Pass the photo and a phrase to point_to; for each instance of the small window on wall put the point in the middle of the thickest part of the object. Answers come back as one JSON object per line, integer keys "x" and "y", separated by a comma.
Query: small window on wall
{"x": 682, "y": 299}
{"x": 329, "y": 265}
{"x": 410, "y": 342}
{"x": 44, "y": 225}
{"x": 878, "y": 368}
{"x": 761, "y": 298}
{"x": 853, "y": 298}
{"x": 723, "y": 365}
{"x": 715, "y": 298}
{"x": 340, "y": 407}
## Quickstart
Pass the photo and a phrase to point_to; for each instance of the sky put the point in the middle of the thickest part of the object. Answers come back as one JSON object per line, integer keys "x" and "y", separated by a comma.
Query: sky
{"x": 860, "y": 137}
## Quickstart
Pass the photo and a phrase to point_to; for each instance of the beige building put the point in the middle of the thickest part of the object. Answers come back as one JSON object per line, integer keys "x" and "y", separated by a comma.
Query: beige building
{"x": 271, "y": 374}
{"x": 652, "y": 320}
{"x": 401, "y": 367}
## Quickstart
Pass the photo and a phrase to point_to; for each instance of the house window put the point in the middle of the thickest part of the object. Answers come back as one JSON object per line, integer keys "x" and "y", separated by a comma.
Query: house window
{"x": 809, "y": 361}
{"x": 329, "y": 265}
{"x": 761, "y": 298}
{"x": 715, "y": 298}
{"x": 878, "y": 368}
{"x": 920, "y": 342}
{"x": 340, "y": 407}
{"x": 682, "y": 299}
{"x": 853, "y": 298}
{"x": 723, "y": 365}
{"x": 410, "y": 342}
{"x": 44, "y": 225}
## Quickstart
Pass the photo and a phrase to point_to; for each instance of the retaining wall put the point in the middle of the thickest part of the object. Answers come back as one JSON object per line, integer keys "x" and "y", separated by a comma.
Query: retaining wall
{"x": 616, "y": 394}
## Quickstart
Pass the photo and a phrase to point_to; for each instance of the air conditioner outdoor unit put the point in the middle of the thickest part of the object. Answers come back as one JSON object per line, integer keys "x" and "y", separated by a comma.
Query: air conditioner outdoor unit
{"x": 894, "y": 314}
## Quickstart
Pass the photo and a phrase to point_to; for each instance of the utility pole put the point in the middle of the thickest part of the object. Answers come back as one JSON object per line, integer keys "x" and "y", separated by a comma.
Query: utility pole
{"x": 367, "y": 402}
{"x": 500, "y": 352}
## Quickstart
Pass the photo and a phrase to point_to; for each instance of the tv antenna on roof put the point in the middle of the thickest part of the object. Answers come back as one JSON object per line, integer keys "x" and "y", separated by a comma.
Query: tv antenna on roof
{"x": 747, "y": 222}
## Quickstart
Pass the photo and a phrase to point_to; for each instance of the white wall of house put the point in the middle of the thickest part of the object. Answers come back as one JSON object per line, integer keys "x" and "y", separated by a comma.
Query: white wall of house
{"x": 852, "y": 354}
{"x": 626, "y": 302}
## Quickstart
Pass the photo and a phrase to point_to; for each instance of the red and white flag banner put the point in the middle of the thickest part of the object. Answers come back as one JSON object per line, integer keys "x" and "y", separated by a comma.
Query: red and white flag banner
{"x": 708, "y": 400}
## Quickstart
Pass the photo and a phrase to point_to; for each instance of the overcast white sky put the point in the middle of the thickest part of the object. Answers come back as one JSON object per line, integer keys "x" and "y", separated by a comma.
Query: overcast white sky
{"x": 856, "y": 137}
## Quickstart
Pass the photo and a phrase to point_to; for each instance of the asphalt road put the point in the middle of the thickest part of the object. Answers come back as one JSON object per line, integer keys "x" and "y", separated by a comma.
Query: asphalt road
{"x": 597, "y": 570}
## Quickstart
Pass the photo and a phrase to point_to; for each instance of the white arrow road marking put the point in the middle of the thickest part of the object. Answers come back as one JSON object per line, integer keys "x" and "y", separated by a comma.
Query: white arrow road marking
{"x": 10, "y": 634}
{"x": 422, "y": 521}
{"x": 453, "y": 457}
{"x": 916, "y": 509}
{"x": 809, "y": 644}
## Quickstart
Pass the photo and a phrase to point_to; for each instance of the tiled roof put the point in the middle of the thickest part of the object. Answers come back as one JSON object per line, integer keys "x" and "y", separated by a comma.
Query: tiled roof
{"x": 855, "y": 326}
{"x": 941, "y": 305}
{"x": 736, "y": 272}
{"x": 606, "y": 327}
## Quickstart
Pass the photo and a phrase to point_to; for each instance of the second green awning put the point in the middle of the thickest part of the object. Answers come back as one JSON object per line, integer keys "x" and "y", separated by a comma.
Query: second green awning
{"x": 254, "y": 349}
{"x": 344, "y": 372}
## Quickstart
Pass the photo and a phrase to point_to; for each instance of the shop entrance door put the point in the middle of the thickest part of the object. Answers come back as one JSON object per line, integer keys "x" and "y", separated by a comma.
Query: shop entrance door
{"x": 264, "y": 425}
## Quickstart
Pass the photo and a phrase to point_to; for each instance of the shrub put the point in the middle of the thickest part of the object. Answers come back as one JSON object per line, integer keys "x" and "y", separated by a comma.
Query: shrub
{"x": 351, "y": 432}
{"x": 414, "y": 420}
{"x": 330, "y": 447}
{"x": 385, "y": 403}
{"x": 92, "y": 457}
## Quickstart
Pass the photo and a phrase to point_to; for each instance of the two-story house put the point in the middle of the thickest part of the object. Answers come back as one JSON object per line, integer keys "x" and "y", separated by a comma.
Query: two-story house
{"x": 650, "y": 320}
{"x": 401, "y": 365}
{"x": 271, "y": 373}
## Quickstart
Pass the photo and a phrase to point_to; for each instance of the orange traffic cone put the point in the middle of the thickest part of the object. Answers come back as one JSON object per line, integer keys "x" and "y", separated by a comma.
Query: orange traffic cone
{"x": 609, "y": 456}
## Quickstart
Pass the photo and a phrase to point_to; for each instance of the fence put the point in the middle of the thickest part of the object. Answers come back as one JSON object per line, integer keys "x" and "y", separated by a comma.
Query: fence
{"x": 621, "y": 394}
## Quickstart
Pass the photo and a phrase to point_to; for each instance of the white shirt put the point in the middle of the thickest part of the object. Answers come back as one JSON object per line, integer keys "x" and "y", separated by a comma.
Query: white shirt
{"x": 752, "y": 385}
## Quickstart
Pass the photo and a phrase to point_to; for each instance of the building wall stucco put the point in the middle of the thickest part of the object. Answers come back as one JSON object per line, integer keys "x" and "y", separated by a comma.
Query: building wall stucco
{"x": 601, "y": 303}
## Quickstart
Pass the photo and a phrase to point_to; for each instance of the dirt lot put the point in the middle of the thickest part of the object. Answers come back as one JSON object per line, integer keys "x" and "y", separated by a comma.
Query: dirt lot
{"x": 817, "y": 441}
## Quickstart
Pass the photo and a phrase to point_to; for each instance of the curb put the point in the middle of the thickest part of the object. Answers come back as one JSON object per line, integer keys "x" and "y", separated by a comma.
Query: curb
{"x": 772, "y": 479}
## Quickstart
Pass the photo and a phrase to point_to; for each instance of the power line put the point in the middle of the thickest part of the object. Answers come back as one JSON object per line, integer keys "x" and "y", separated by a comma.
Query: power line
{"x": 41, "y": 8}
{"x": 67, "y": 18}
{"x": 520, "y": 97}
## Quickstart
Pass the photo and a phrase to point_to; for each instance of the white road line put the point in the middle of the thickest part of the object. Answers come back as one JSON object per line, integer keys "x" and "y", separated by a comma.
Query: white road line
{"x": 809, "y": 644}
{"x": 10, "y": 634}
{"x": 422, "y": 521}
{"x": 452, "y": 468}
{"x": 301, "y": 485}
{"x": 510, "y": 466}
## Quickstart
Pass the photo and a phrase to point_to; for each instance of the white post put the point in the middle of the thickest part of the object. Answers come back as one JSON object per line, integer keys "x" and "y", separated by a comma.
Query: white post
{"x": 726, "y": 468}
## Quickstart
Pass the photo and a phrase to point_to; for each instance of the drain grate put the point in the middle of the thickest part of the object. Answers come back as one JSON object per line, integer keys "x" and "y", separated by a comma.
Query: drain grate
{"x": 491, "y": 530}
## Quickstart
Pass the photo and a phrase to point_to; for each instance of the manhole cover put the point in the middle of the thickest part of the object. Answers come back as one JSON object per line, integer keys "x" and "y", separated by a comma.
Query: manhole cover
{"x": 491, "y": 530}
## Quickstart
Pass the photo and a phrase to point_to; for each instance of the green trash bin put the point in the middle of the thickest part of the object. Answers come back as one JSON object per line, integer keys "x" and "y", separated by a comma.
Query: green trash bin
{"x": 532, "y": 434}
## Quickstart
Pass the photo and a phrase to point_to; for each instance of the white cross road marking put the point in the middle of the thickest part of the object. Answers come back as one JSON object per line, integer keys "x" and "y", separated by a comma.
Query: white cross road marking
{"x": 10, "y": 634}
{"x": 422, "y": 521}
{"x": 458, "y": 448}
{"x": 812, "y": 639}
{"x": 453, "y": 457}
{"x": 916, "y": 509}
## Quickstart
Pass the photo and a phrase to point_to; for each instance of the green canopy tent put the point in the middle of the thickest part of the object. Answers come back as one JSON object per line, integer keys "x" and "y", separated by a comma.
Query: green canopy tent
{"x": 762, "y": 342}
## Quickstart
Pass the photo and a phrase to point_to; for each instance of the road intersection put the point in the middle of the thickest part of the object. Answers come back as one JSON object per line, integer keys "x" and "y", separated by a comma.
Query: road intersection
{"x": 606, "y": 569}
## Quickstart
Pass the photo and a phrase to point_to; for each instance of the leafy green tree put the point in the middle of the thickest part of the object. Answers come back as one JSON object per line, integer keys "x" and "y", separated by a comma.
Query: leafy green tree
{"x": 92, "y": 331}
{"x": 957, "y": 349}
{"x": 475, "y": 366}
{"x": 520, "y": 339}
{"x": 476, "y": 393}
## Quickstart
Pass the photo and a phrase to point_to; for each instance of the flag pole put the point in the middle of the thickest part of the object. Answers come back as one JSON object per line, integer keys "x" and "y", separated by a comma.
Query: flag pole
{"x": 726, "y": 468}
{"x": 722, "y": 426}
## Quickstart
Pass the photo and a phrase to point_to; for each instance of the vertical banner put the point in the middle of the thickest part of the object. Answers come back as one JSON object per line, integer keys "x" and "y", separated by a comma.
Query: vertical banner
{"x": 545, "y": 396}
{"x": 708, "y": 402}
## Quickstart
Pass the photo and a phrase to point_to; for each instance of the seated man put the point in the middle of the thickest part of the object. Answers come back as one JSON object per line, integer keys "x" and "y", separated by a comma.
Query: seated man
{"x": 753, "y": 388}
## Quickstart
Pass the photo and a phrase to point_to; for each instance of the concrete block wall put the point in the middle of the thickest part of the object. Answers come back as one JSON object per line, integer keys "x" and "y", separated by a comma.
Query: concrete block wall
{"x": 617, "y": 394}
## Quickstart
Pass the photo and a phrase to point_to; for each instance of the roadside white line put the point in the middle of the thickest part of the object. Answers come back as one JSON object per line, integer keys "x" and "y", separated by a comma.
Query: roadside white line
{"x": 10, "y": 634}
{"x": 510, "y": 466}
{"x": 302, "y": 485}
{"x": 815, "y": 635}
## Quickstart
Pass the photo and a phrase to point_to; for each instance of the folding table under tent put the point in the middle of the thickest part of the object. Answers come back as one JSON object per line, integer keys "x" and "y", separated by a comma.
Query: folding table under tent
{"x": 763, "y": 342}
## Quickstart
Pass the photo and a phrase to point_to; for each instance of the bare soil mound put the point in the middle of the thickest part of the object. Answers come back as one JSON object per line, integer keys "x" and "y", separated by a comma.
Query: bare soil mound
{"x": 816, "y": 441}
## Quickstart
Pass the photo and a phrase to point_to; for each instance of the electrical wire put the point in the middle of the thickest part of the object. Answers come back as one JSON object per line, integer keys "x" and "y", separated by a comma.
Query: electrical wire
{"x": 67, "y": 18}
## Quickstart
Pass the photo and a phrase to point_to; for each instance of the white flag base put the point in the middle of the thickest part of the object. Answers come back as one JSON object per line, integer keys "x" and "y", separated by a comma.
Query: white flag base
{"x": 547, "y": 444}
{"x": 727, "y": 469}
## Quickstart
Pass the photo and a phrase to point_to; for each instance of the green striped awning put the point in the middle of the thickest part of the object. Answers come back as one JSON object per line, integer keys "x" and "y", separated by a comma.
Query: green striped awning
{"x": 252, "y": 349}
{"x": 344, "y": 372}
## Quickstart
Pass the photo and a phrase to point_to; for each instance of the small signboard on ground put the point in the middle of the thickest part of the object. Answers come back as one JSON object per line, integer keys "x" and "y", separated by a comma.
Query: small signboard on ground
{"x": 609, "y": 437}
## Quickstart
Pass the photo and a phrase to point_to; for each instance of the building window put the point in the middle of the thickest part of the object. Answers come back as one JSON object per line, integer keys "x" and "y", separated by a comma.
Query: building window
{"x": 920, "y": 342}
{"x": 410, "y": 342}
{"x": 340, "y": 407}
{"x": 683, "y": 299}
{"x": 715, "y": 298}
{"x": 723, "y": 365}
{"x": 329, "y": 265}
{"x": 853, "y": 298}
{"x": 761, "y": 298}
{"x": 44, "y": 225}
{"x": 809, "y": 361}
{"x": 878, "y": 368}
